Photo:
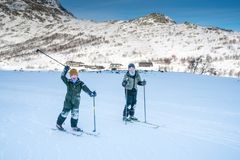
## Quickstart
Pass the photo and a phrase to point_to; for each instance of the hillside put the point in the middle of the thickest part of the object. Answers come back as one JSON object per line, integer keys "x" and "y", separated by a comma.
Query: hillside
{"x": 155, "y": 38}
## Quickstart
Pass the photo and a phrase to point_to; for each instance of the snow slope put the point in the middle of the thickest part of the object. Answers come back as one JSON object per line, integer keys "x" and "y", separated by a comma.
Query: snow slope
{"x": 199, "y": 118}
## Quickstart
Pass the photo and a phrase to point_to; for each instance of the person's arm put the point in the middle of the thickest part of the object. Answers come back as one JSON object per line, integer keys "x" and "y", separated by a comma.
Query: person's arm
{"x": 63, "y": 76}
{"x": 88, "y": 91}
{"x": 125, "y": 81}
{"x": 140, "y": 82}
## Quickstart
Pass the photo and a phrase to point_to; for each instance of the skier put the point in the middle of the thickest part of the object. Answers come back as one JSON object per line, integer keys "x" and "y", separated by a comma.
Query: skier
{"x": 72, "y": 98}
{"x": 130, "y": 81}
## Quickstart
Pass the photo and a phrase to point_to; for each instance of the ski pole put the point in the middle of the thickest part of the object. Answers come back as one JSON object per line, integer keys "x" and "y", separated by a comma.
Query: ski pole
{"x": 144, "y": 99}
{"x": 94, "y": 115}
{"x": 38, "y": 50}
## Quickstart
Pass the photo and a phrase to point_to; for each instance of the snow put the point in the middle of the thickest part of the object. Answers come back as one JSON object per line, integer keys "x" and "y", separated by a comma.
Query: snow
{"x": 199, "y": 118}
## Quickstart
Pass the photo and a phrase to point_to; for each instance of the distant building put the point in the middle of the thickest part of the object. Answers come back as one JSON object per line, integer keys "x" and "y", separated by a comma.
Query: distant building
{"x": 94, "y": 67}
{"x": 75, "y": 64}
{"x": 115, "y": 66}
{"x": 82, "y": 65}
{"x": 145, "y": 64}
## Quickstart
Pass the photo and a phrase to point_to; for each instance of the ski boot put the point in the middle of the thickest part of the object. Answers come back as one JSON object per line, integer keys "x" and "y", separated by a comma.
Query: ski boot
{"x": 125, "y": 118}
{"x": 133, "y": 118}
{"x": 77, "y": 129}
{"x": 60, "y": 127}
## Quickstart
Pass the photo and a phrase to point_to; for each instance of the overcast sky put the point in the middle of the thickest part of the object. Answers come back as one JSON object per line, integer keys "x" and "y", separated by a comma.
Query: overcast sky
{"x": 220, "y": 13}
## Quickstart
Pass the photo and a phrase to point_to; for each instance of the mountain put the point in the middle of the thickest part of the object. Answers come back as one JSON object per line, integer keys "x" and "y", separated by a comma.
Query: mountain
{"x": 154, "y": 18}
{"x": 41, "y": 10}
{"x": 153, "y": 42}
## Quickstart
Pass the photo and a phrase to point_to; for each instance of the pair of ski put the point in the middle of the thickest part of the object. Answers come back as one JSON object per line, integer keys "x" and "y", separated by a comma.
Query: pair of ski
{"x": 77, "y": 133}
{"x": 151, "y": 125}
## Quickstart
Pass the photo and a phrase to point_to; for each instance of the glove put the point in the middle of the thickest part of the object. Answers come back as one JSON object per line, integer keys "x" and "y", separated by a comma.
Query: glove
{"x": 142, "y": 83}
{"x": 66, "y": 68}
{"x": 124, "y": 83}
{"x": 93, "y": 94}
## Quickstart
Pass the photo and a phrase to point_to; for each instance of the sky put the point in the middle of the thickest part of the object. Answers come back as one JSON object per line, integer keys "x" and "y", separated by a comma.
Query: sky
{"x": 218, "y": 13}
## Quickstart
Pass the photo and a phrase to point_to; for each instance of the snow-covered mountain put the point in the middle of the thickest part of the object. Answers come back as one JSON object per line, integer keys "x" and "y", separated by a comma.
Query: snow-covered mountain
{"x": 154, "y": 41}
{"x": 41, "y": 10}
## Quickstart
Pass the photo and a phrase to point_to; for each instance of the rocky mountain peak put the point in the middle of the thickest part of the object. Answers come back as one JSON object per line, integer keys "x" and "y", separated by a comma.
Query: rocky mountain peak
{"x": 155, "y": 18}
{"x": 34, "y": 9}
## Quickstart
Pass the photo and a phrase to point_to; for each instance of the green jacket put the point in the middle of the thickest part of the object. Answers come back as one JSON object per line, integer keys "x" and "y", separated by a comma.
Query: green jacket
{"x": 73, "y": 91}
{"x": 132, "y": 81}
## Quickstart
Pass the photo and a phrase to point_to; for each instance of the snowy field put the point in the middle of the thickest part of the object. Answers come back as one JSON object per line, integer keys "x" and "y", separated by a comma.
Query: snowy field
{"x": 199, "y": 118}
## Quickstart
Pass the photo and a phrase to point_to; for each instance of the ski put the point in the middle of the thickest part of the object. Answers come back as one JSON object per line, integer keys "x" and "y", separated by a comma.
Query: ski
{"x": 155, "y": 126}
{"x": 78, "y": 134}
{"x": 152, "y": 125}
{"x": 95, "y": 134}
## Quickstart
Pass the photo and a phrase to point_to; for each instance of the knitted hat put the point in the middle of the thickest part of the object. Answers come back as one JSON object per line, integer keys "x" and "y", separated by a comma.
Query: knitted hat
{"x": 131, "y": 65}
{"x": 73, "y": 72}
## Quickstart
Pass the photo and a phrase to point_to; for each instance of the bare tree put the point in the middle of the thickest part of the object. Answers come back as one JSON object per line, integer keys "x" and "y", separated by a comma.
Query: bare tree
{"x": 197, "y": 62}
{"x": 238, "y": 74}
{"x": 193, "y": 63}
{"x": 206, "y": 63}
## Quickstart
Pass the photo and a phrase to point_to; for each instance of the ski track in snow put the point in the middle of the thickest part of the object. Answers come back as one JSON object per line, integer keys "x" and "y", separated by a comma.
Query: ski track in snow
{"x": 190, "y": 128}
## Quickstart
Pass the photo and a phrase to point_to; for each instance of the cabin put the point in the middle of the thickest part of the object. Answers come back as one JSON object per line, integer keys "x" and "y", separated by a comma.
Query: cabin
{"x": 115, "y": 66}
{"x": 75, "y": 64}
{"x": 94, "y": 67}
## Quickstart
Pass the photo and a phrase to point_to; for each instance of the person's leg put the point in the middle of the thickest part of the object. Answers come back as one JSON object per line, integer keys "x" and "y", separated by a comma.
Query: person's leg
{"x": 133, "y": 105}
{"x": 125, "y": 111}
{"x": 127, "y": 105}
{"x": 74, "y": 117}
{"x": 62, "y": 116}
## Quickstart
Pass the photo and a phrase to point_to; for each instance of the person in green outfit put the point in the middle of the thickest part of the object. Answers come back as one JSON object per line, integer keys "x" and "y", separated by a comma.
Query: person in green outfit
{"x": 72, "y": 98}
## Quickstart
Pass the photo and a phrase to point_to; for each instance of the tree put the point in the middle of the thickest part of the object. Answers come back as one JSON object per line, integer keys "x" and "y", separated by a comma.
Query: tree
{"x": 206, "y": 63}
{"x": 238, "y": 74}
{"x": 193, "y": 63}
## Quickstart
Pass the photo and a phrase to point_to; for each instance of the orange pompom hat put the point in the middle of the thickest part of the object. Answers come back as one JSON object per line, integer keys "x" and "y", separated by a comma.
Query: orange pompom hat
{"x": 73, "y": 72}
